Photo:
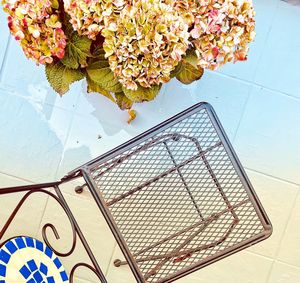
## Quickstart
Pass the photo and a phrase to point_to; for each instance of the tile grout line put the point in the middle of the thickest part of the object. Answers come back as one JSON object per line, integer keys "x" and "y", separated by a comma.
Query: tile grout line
{"x": 265, "y": 41}
{"x": 243, "y": 114}
{"x": 5, "y": 57}
{"x": 272, "y": 259}
{"x": 42, "y": 216}
{"x": 110, "y": 260}
{"x": 16, "y": 177}
{"x": 47, "y": 200}
{"x": 67, "y": 138}
{"x": 58, "y": 166}
{"x": 255, "y": 84}
{"x": 83, "y": 279}
{"x": 272, "y": 177}
{"x": 287, "y": 223}
{"x": 251, "y": 83}
{"x": 259, "y": 255}
{"x": 8, "y": 88}
{"x": 281, "y": 239}
{"x": 286, "y": 263}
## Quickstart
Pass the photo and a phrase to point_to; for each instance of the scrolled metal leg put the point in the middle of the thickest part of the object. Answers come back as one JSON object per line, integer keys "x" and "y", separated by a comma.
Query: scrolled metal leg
{"x": 76, "y": 231}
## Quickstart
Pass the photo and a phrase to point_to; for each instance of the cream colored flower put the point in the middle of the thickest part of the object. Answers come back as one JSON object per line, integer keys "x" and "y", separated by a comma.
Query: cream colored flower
{"x": 145, "y": 43}
{"x": 88, "y": 17}
{"x": 186, "y": 8}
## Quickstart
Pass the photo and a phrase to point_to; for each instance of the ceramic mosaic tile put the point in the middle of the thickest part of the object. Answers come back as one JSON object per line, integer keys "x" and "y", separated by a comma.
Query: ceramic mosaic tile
{"x": 27, "y": 260}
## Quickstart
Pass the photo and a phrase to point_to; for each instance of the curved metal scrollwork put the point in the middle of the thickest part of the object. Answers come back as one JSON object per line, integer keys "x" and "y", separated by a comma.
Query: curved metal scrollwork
{"x": 78, "y": 265}
{"x": 49, "y": 226}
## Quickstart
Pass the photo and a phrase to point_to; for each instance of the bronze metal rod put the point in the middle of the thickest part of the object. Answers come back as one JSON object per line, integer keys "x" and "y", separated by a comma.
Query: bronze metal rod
{"x": 154, "y": 142}
{"x": 165, "y": 258}
{"x": 97, "y": 269}
{"x": 184, "y": 182}
{"x": 208, "y": 219}
{"x": 189, "y": 252}
{"x": 110, "y": 221}
{"x": 193, "y": 250}
{"x": 11, "y": 190}
{"x": 216, "y": 181}
{"x": 171, "y": 170}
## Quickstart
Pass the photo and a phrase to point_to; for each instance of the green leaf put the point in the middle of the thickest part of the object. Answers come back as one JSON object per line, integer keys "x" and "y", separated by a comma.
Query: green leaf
{"x": 189, "y": 73}
{"x": 99, "y": 53}
{"x": 142, "y": 93}
{"x": 93, "y": 87}
{"x": 177, "y": 70}
{"x": 61, "y": 77}
{"x": 99, "y": 64}
{"x": 77, "y": 51}
{"x": 100, "y": 73}
{"x": 191, "y": 57}
{"x": 123, "y": 101}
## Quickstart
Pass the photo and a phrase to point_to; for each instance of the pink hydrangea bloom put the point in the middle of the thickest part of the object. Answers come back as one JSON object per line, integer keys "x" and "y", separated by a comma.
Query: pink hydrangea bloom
{"x": 35, "y": 24}
{"x": 222, "y": 31}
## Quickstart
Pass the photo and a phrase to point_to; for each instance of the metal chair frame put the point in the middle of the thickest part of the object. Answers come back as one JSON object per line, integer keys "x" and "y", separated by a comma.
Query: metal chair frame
{"x": 181, "y": 251}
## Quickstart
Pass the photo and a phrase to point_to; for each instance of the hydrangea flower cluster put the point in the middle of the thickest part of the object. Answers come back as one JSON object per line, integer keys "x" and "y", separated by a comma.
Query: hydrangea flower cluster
{"x": 88, "y": 17}
{"x": 145, "y": 43}
{"x": 128, "y": 48}
{"x": 35, "y": 24}
{"x": 222, "y": 31}
{"x": 186, "y": 8}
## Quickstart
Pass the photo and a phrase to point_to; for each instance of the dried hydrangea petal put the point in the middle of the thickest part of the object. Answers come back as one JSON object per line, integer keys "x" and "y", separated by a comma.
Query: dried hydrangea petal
{"x": 222, "y": 31}
{"x": 88, "y": 17}
{"x": 145, "y": 43}
{"x": 35, "y": 24}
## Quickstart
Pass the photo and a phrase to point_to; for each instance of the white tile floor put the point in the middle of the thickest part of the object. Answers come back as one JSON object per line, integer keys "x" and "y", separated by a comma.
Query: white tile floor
{"x": 43, "y": 136}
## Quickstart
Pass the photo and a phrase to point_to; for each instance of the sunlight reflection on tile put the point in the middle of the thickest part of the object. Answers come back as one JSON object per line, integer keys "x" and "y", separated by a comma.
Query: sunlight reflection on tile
{"x": 32, "y": 137}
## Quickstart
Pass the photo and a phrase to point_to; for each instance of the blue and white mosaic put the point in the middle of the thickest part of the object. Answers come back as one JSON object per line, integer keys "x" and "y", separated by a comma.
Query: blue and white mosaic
{"x": 27, "y": 260}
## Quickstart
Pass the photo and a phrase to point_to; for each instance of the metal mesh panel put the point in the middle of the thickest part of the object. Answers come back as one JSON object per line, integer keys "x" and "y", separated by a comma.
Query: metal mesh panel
{"x": 177, "y": 198}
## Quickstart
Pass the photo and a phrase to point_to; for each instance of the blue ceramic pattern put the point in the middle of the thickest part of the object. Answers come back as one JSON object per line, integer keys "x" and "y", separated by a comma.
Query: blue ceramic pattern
{"x": 31, "y": 271}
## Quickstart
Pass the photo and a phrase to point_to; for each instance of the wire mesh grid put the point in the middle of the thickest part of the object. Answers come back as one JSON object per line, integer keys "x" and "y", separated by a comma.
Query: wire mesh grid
{"x": 177, "y": 198}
